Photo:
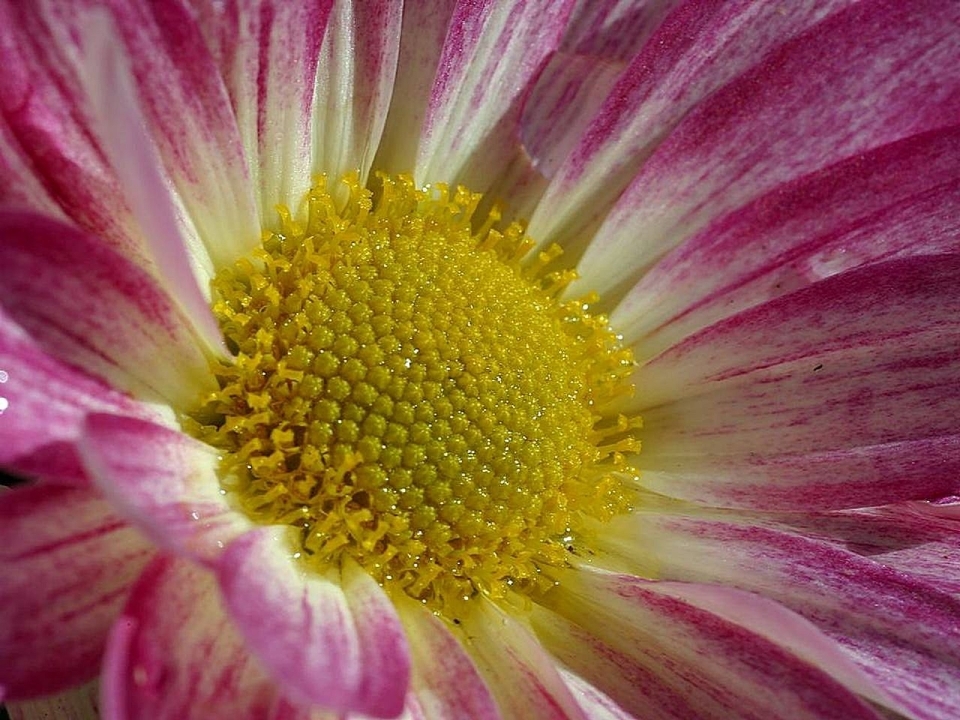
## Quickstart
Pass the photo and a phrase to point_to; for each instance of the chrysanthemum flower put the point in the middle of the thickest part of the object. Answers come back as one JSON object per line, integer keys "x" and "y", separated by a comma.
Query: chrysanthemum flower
{"x": 331, "y": 331}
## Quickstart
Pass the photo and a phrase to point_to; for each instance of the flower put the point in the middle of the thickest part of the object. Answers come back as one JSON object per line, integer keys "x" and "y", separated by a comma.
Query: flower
{"x": 235, "y": 257}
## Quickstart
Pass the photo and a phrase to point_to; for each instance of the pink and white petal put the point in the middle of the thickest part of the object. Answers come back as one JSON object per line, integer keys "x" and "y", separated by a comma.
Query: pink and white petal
{"x": 566, "y": 96}
{"x": 355, "y": 79}
{"x": 267, "y": 51}
{"x": 42, "y": 406}
{"x": 79, "y": 704}
{"x": 174, "y": 654}
{"x": 179, "y": 256}
{"x": 68, "y": 562}
{"x": 521, "y": 674}
{"x": 614, "y": 29}
{"x": 901, "y": 631}
{"x": 444, "y": 680}
{"x": 48, "y": 141}
{"x": 105, "y": 315}
{"x": 654, "y": 652}
{"x": 595, "y": 704}
{"x": 898, "y": 200}
{"x": 164, "y": 483}
{"x": 491, "y": 55}
{"x": 424, "y": 26}
{"x": 184, "y": 104}
{"x": 845, "y": 392}
{"x": 800, "y": 110}
{"x": 20, "y": 187}
{"x": 306, "y": 628}
{"x": 906, "y": 538}
{"x": 698, "y": 48}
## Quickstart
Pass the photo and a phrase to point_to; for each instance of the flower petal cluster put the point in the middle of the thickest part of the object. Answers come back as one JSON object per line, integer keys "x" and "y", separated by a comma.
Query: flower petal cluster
{"x": 765, "y": 195}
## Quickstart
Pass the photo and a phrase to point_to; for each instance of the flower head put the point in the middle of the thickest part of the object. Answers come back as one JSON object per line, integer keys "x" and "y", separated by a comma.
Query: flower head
{"x": 330, "y": 334}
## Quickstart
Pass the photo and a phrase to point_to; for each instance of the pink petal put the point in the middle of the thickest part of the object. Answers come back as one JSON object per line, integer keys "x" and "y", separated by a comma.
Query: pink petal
{"x": 699, "y": 47}
{"x": 103, "y": 314}
{"x": 19, "y": 185}
{"x": 358, "y": 65}
{"x": 113, "y": 95}
{"x": 42, "y": 406}
{"x": 564, "y": 99}
{"x": 897, "y": 200}
{"x": 655, "y": 649}
{"x": 845, "y": 392}
{"x": 491, "y": 54}
{"x": 331, "y": 641}
{"x": 79, "y": 704}
{"x": 424, "y": 27}
{"x": 186, "y": 107}
{"x": 596, "y": 705}
{"x": 613, "y": 29}
{"x": 47, "y": 130}
{"x": 68, "y": 563}
{"x": 174, "y": 654}
{"x": 268, "y": 51}
{"x": 164, "y": 482}
{"x": 866, "y": 76}
{"x": 522, "y": 676}
{"x": 902, "y": 632}
{"x": 445, "y": 680}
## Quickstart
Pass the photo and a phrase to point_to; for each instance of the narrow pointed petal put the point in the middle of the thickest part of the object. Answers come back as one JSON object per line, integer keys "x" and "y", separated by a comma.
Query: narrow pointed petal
{"x": 68, "y": 563}
{"x": 902, "y": 632}
{"x": 174, "y": 654}
{"x": 355, "y": 78}
{"x": 267, "y": 51}
{"x": 492, "y": 53}
{"x": 845, "y": 392}
{"x": 180, "y": 262}
{"x": 165, "y": 483}
{"x": 445, "y": 680}
{"x": 668, "y": 635}
{"x": 42, "y": 405}
{"x": 306, "y": 629}
{"x": 79, "y": 704}
{"x": 895, "y": 201}
{"x": 521, "y": 674}
{"x": 698, "y": 48}
{"x": 800, "y": 110}
{"x": 106, "y": 315}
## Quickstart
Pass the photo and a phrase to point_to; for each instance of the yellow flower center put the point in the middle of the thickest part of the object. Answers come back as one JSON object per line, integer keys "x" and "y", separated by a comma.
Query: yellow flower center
{"x": 408, "y": 394}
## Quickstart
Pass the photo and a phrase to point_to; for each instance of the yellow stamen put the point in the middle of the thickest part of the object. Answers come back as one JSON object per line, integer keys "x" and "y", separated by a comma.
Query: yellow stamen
{"x": 409, "y": 396}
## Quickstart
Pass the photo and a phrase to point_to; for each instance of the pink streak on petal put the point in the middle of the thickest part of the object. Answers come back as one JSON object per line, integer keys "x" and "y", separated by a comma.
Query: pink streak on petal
{"x": 492, "y": 52}
{"x": 48, "y": 126}
{"x": 845, "y": 391}
{"x": 68, "y": 563}
{"x": 901, "y": 631}
{"x": 698, "y": 48}
{"x": 445, "y": 679}
{"x": 174, "y": 654}
{"x": 303, "y": 628}
{"x": 45, "y": 402}
{"x": 105, "y": 314}
{"x": 521, "y": 675}
{"x": 164, "y": 483}
{"x": 614, "y": 29}
{"x": 355, "y": 81}
{"x": 652, "y": 628}
{"x": 894, "y": 201}
{"x": 267, "y": 51}
{"x": 114, "y": 97}
{"x": 800, "y": 110}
